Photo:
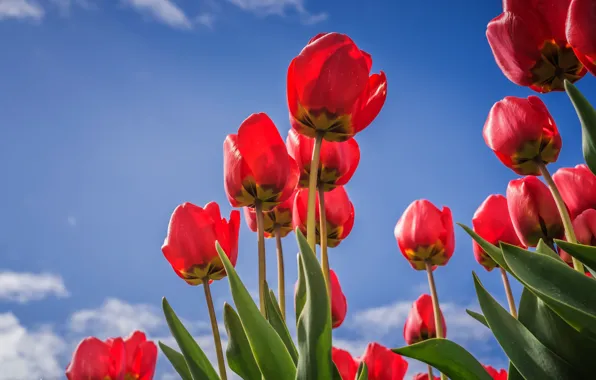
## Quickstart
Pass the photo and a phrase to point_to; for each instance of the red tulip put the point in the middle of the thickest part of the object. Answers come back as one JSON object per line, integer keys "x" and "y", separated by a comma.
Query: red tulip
{"x": 383, "y": 364}
{"x": 522, "y": 132}
{"x": 141, "y": 356}
{"x": 533, "y": 211}
{"x": 577, "y": 187}
{"x": 424, "y": 376}
{"x": 330, "y": 91}
{"x": 496, "y": 375}
{"x": 190, "y": 244}
{"x": 585, "y": 227}
{"x": 425, "y": 233}
{"x": 529, "y": 44}
{"x": 581, "y": 31}
{"x": 345, "y": 363}
{"x": 94, "y": 359}
{"x": 493, "y": 223}
{"x": 339, "y": 212}
{"x": 279, "y": 217}
{"x": 420, "y": 324}
{"x": 339, "y": 304}
{"x": 338, "y": 160}
{"x": 257, "y": 167}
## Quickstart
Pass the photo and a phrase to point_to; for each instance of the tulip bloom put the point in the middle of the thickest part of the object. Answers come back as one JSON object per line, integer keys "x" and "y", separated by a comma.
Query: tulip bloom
{"x": 533, "y": 211}
{"x": 522, "y": 132}
{"x": 141, "y": 356}
{"x": 496, "y": 375}
{"x": 94, "y": 359}
{"x": 493, "y": 223}
{"x": 279, "y": 217}
{"x": 339, "y": 212}
{"x": 383, "y": 364}
{"x": 190, "y": 244}
{"x": 337, "y": 163}
{"x": 330, "y": 89}
{"x": 584, "y": 226}
{"x": 424, "y": 376}
{"x": 530, "y": 46}
{"x": 577, "y": 187}
{"x": 425, "y": 234}
{"x": 581, "y": 29}
{"x": 346, "y": 365}
{"x": 420, "y": 324}
{"x": 257, "y": 167}
{"x": 339, "y": 304}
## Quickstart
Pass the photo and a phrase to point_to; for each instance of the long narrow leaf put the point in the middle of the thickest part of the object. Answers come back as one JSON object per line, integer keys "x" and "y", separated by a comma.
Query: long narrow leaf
{"x": 277, "y": 321}
{"x": 477, "y": 316}
{"x": 177, "y": 361}
{"x": 239, "y": 354}
{"x": 587, "y": 117}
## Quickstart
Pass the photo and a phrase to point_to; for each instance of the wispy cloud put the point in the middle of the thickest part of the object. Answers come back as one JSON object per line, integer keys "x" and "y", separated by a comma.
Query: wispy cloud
{"x": 164, "y": 11}
{"x": 24, "y": 287}
{"x": 206, "y": 19}
{"x": 20, "y": 9}
{"x": 279, "y": 7}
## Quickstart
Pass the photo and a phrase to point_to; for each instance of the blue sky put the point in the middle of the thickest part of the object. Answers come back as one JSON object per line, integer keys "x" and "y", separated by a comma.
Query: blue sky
{"x": 112, "y": 113}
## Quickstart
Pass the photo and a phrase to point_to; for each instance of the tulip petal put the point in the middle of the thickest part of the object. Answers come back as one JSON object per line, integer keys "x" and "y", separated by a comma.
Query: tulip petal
{"x": 373, "y": 103}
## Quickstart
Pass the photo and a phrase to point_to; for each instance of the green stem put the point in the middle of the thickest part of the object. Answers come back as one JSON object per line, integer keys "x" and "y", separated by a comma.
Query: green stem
{"x": 323, "y": 234}
{"x": 216, "y": 337}
{"x": 312, "y": 193}
{"x": 281, "y": 286}
{"x": 509, "y": 294}
{"x": 262, "y": 263}
{"x": 569, "y": 232}
{"x": 436, "y": 308}
{"x": 431, "y": 376}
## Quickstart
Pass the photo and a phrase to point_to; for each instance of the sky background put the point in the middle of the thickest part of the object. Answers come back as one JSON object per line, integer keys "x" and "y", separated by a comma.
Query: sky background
{"x": 114, "y": 112}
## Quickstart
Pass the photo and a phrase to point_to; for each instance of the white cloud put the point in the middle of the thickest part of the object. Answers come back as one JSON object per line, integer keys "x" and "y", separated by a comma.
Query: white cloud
{"x": 29, "y": 354}
{"x": 207, "y": 19}
{"x": 278, "y": 7}
{"x": 20, "y": 9}
{"x": 25, "y": 287}
{"x": 164, "y": 11}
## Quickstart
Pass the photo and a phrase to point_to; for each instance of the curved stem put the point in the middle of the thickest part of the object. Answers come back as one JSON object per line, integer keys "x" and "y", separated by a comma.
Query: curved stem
{"x": 312, "y": 193}
{"x": 508, "y": 292}
{"x": 569, "y": 232}
{"x": 216, "y": 337}
{"x": 262, "y": 263}
{"x": 436, "y": 308}
{"x": 323, "y": 233}
{"x": 281, "y": 286}
{"x": 431, "y": 376}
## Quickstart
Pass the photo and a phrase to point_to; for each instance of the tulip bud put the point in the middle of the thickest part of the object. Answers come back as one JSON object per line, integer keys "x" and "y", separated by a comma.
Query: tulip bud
{"x": 496, "y": 374}
{"x": 585, "y": 227}
{"x": 577, "y": 187}
{"x": 279, "y": 217}
{"x": 257, "y": 167}
{"x": 190, "y": 244}
{"x": 339, "y": 304}
{"x": 425, "y": 234}
{"x": 522, "y": 133}
{"x": 581, "y": 29}
{"x": 94, "y": 359}
{"x": 330, "y": 91}
{"x": 346, "y": 365}
{"x": 339, "y": 212}
{"x": 383, "y": 364}
{"x": 533, "y": 211}
{"x": 420, "y": 324}
{"x": 530, "y": 45}
{"x": 493, "y": 223}
{"x": 337, "y": 163}
{"x": 141, "y": 357}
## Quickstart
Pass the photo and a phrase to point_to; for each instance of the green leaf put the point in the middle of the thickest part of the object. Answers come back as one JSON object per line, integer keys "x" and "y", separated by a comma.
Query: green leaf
{"x": 270, "y": 353}
{"x": 543, "y": 248}
{"x": 584, "y": 253}
{"x": 195, "y": 358}
{"x": 492, "y": 250}
{"x": 448, "y": 357}
{"x": 314, "y": 323}
{"x": 569, "y": 293}
{"x": 362, "y": 373}
{"x": 562, "y": 339}
{"x": 587, "y": 117}
{"x": 239, "y": 354}
{"x": 300, "y": 296}
{"x": 277, "y": 321}
{"x": 529, "y": 356}
{"x": 477, "y": 316}
{"x": 177, "y": 361}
